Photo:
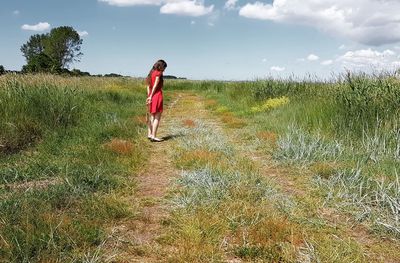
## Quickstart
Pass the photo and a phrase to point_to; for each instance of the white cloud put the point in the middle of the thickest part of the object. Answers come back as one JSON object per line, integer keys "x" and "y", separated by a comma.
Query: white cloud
{"x": 389, "y": 52}
{"x": 312, "y": 57}
{"x": 186, "y": 8}
{"x": 192, "y": 22}
{"x": 83, "y": 33}
{"x": 210, "y": 24}
{"x": 132, "y": 2}
{"x": 396, "y": 64}
{"x": 368, "y": 59}
{"x": 41, "y": 26}
{"x": 16, "y": 12}
{"x": 342, "y": 47}
{"x": 264, "y": 60}
{"x": 277, "y": 68}
{"x": 327, "y": 62}
{"x": 370, "y": 22}
{"x": 176, "y": 7}
{"x": 230, "y": 4}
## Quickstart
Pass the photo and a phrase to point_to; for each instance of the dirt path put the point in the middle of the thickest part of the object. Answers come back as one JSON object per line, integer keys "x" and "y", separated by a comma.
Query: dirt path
{"x": 136, "y": 240}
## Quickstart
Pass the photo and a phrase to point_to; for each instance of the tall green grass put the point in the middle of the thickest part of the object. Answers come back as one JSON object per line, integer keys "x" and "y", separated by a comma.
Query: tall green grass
{"x": 27, "y": 112}
{"x": 61, "y": 177}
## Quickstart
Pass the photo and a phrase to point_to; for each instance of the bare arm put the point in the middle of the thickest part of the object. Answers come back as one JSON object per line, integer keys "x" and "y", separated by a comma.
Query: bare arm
{"x": 153, "y": 89}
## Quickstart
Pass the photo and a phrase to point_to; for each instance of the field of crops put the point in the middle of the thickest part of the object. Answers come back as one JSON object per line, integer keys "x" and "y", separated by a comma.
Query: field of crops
{"x": 71, "y": 149}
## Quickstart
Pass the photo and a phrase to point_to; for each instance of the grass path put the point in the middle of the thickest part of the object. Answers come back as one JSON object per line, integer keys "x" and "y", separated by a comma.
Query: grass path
{"x": 135, "y": 239}
{"x": 271, "y": 215}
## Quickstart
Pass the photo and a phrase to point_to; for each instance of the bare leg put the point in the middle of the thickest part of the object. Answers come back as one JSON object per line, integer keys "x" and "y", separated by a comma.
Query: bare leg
{"x": 149, "y": 125}
{"x": 156, "y": 122}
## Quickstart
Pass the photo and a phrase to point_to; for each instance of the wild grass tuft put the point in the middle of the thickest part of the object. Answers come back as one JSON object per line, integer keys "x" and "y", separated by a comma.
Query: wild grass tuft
{"x": 297, "y": 146}
{"x": 368, "y": 198}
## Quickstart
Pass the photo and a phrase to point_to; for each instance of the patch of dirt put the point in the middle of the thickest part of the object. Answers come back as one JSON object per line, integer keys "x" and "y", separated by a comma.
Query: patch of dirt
{"x": 119, "y": 146}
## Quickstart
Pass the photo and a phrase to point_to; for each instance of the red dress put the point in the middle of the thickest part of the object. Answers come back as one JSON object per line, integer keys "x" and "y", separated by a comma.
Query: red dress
{"x": 156, "y": 104}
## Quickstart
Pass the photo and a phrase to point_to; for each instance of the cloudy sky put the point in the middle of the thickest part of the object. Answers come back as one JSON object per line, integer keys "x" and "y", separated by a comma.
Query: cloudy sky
{"x": 214, "y": 39}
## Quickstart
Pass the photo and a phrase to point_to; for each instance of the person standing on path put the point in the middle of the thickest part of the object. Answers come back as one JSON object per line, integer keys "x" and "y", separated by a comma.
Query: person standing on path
{"x": 154, "y": 100}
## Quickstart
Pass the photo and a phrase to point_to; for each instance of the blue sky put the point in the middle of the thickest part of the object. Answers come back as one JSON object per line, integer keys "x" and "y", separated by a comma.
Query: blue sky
{"x": 214, "y": 39}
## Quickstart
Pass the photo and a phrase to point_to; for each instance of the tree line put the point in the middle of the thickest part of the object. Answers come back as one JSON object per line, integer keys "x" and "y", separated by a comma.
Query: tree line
{"x": 54, "y": 52}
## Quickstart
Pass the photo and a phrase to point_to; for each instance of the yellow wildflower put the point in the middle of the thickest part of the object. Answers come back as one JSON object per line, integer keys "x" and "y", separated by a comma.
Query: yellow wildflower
{"x": 271, "y": 104}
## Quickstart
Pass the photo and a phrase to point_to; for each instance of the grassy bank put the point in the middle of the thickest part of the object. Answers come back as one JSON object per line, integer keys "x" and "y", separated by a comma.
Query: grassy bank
{"x": 69, "y": 152}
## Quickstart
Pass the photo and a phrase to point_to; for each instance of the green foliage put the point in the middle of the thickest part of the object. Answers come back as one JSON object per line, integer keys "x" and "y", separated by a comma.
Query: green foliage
{"x": 2, "y": 70}
{"x": 77, "y": 72}
{"x": 40, "y": 63}
{"x": 34, "y": 47}
{"x": 52, "y": 52}
{"x": 63, "y": 46}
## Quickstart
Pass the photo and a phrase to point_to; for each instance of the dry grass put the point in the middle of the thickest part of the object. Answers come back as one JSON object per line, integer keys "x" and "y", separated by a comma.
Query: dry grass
{"x": 199, "y": 158}
{"x": 231, "y": 121}
{"x": 141, "y": 120}
{"x": 197, "y": 237}
{"x": 324, "y": 169}
{"x": 269, "y": 137}
{"x": 210, "y": 103}
{"x": 273, "y": 239}
{"x": 120, "y": 146}
{"x": 189, "y": 123}
{"x": 39, "y": 184}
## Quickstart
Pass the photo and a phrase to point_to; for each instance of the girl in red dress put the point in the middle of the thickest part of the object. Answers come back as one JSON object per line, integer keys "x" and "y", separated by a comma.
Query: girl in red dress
{"x": 154, "y": 100}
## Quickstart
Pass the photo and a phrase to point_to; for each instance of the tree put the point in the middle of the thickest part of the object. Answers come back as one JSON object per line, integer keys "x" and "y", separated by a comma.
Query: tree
{"x": 34, "y": 46}
{"x": 77, "y": 72}
{"x": 2, "y": 70}
{"x": 52, "y": 52}
{"x": 40, "y": 63}
{"x": 64, "y": 46}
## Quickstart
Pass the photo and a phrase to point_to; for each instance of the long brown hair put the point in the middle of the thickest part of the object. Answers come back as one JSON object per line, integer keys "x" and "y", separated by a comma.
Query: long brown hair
{"x": 159, "y": 65}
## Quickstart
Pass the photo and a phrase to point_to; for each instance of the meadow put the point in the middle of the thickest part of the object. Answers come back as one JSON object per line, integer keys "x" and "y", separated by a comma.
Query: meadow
{"x": 68, "y": 148}
{"x": 71, "y": 148}
{"x": 346, "y": 132}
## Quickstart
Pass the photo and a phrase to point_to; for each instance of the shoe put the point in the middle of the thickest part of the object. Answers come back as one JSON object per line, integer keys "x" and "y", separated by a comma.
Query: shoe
{"x": 149, "y": 137}
{"x": 155, "y": 139}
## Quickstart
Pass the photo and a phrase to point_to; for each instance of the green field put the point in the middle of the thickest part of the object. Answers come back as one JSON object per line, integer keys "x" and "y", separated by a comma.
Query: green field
{"x": 262, "y": 171}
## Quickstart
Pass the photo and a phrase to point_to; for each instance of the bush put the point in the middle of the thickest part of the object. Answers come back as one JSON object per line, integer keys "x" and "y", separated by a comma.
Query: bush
{"x": 40, "y": 63}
